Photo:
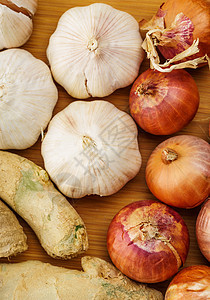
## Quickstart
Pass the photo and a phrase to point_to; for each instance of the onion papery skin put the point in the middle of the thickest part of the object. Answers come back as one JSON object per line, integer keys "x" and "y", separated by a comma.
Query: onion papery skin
{"x": 148, "y": 241}
{"x": 199, "y": 14}
{"x": 163, "y": 103}
{"x": 185, "y": 181}
{"x": 191, "y": 283}
{"x": 203, "y": 229}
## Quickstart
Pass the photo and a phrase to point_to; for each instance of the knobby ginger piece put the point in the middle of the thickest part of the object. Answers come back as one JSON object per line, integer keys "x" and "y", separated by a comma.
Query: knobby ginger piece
{"x": 12, "y": 237}
{"x": 32, "y": 280}
{"x": 27, "y": 188}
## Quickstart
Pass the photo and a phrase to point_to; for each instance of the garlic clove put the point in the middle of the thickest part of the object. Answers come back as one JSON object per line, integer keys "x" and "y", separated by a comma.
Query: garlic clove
{"x": 91, "y": 148}
{"x": 16, "y": 22}
{"x": 95, "y": 50}
{"x": 27, "y": 98}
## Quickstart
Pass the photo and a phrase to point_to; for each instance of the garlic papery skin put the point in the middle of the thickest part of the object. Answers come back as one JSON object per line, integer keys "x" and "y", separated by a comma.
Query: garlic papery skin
{"x": 27, "y": 98}
{"x": 16, "y": 22}
{"x": 91, "y": 148}
{"x": 30, "y": 5}
{"x": 95, "y": 50}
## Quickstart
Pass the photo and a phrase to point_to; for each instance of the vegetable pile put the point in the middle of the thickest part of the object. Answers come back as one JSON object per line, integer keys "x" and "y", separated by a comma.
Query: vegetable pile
{"x": 92, "y": 148}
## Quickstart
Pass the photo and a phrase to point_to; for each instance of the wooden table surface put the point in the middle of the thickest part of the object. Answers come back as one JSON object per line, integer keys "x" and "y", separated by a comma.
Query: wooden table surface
{"x": 97, "y": 212}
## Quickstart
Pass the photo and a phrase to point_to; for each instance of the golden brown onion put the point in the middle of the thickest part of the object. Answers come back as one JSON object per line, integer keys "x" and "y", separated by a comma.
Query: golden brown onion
{"x": 203, "y": 229}
{"x": 192, "y": 283}
{"x": 178, "y": 171}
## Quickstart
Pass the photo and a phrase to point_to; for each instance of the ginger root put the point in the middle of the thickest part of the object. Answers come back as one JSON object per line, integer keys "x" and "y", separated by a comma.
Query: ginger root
{"x": 27, "y": 188}
{"x": 32, "y": 280}
{"x": 12, "y": 237}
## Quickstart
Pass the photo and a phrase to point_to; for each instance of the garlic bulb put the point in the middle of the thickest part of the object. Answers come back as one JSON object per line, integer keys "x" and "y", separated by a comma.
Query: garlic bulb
{"x": 95, "y": 50}
{"x": 27, "y": 98}
{"x": 16, "y": 22}
{"x": 91, "y": 148}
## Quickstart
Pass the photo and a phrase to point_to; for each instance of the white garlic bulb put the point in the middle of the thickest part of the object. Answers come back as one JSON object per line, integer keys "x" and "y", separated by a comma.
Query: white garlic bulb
{"x": 27, "y": 98}
{"x": 16, "y": 22}
{"x": 91, "y": 148}
{"x": 95, "y": 50}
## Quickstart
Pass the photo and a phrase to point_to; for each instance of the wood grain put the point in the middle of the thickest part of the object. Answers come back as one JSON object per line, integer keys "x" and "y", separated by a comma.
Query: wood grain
{"x": 97, "y": 212}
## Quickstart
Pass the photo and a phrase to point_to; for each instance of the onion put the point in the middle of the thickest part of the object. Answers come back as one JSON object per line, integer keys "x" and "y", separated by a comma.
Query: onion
{"x": 178, "y": 171}
{"x": 203, "y": 229}
{"x": 181, "y": 30}
{"x": 163, "y": 103}
{"x": 190, "y": 284}
{"x": 148, "y": 241}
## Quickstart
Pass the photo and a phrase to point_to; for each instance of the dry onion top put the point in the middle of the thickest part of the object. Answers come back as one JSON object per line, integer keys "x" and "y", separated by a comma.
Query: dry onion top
{"x": 181, "y": 32}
